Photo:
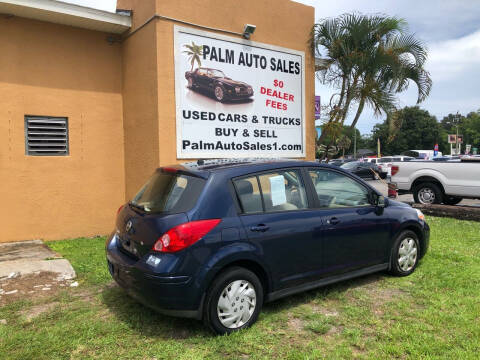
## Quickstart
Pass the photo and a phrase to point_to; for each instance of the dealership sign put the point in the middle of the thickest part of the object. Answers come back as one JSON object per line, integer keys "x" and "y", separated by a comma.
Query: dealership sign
{"x": 237, "y": 98}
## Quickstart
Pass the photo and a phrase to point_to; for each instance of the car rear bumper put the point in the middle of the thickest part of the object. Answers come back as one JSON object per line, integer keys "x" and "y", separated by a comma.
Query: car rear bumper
{"x": 174, "y": 295}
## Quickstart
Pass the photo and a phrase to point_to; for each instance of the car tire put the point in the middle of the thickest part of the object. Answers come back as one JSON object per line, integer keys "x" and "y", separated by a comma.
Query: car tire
{"x": 248, "y": 291}
{"x": 427, "y": 193}
{"x": 191, "y": 84}
{"x": 405, "y": 254}
{"x": 452, "y": 200}
{"x": 219, "y": 93}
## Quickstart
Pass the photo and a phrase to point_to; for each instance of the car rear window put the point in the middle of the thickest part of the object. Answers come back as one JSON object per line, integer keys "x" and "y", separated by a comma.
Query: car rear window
{"x": 168, "y": 192}
{"x": 385, "y": 160}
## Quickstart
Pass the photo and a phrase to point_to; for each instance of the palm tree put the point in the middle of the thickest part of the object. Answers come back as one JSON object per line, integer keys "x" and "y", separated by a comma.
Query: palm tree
{"x": 344, "y": 143}
{"x": 194, "y": 53}
{"x": 368, "y": 60}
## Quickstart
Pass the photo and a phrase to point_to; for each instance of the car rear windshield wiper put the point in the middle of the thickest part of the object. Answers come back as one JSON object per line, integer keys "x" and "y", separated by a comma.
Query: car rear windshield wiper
{"x": 135, "y": 205}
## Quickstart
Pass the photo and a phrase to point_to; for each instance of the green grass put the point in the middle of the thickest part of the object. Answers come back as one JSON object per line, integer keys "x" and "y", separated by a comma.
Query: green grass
{"x": 432, "y": 314}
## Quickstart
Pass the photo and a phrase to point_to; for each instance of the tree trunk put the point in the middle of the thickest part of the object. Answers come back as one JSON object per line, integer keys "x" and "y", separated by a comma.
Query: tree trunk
{"x": 359, "y": 112}
{"x": 348, "y": 99}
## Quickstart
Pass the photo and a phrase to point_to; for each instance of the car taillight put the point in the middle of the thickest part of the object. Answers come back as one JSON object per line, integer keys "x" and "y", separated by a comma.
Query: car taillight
{"x": 184, "y": 235}
{"x": 394, "y": 169}
{"x": 120, "y": 208}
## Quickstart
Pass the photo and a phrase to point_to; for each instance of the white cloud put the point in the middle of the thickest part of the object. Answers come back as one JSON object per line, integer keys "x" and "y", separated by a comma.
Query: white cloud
{"x": 451, "y": 31}
{"x": 451, "y": 58}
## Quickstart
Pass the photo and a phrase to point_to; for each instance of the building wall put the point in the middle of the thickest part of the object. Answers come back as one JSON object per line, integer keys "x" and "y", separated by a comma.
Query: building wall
{"x": 140, "y": 98}
{"x": 55, "y": 70}
{"x": 120, "y": 102}
{"x": 275, "y": 26}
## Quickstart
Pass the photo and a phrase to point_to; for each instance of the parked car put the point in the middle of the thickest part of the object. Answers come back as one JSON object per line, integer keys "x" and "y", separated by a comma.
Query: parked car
{"x": 215, "y": 81}
{"x": 385, "y": 162}
{"x": 436, "y": 182}
{"x": 216, "y": 241}
{"x": 422, "y": 154}
{"x": 447, "y": 158}
{"x": 371, "y": 159}
{"x": 339, "y": 162}
{"x": 364, "y": 169}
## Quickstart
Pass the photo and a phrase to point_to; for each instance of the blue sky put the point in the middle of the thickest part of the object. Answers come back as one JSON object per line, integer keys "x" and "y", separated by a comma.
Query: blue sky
{"x": 451, "y": 32}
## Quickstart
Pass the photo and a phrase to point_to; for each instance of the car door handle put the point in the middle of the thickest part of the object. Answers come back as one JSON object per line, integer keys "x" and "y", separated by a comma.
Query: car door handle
{"x": 333, "y": 221}
{"x": 260, "y": 228}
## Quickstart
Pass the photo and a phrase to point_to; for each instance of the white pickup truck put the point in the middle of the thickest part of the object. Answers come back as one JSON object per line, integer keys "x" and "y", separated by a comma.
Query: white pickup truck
{"x": 435, "y": 182}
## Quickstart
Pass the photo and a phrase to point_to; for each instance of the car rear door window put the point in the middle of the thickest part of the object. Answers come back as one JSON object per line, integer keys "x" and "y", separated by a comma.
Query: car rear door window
{"x": 248, "y": 193}
{"x": 283, "y": 190}
{"x": 338, "y": 190}
{"x": 276, "y": 191}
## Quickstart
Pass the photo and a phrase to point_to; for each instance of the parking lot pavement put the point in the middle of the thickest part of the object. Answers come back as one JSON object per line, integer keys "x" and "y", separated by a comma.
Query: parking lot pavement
{"x": 382, "y": 187}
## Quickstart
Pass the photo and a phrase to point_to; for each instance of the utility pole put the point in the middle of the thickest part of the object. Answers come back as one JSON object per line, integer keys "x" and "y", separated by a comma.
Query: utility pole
{"x": 457, "y": 118}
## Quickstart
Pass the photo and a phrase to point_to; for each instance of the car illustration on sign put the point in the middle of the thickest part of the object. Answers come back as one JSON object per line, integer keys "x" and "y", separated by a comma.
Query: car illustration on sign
{"x": 215, "y": 81}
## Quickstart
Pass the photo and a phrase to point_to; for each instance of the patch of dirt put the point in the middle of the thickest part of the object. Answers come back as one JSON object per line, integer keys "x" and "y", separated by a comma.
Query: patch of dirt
{"x": 295, "y": 324}
{"x": 37, "y": 310}
{"x": 32, "y": 286}
{"x": 324, "y": 311}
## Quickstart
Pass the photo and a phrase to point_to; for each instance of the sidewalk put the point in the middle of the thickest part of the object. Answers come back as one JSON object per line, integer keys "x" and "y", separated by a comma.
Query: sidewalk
{"x": 32, "y": 257}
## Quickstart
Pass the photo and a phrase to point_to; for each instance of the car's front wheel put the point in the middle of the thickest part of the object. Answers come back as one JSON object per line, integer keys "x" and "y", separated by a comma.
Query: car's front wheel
{"x": 405, "y": 253}
{"x": 219, "y": 93}
{"x": 233, "y": 301}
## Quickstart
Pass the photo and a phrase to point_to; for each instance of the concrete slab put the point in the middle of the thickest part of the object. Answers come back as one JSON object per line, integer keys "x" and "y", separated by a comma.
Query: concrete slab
{"x": 30, "y": 257}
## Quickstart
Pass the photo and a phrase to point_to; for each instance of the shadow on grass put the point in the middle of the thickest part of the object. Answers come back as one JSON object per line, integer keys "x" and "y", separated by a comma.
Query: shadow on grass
{"x": 146, "y": 321}
{"x": 150, "y": 323}
{"x": 323, "y": 293}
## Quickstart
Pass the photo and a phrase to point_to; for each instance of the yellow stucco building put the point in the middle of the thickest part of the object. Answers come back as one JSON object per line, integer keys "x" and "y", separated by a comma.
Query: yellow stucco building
{"x": 89, "y": 104}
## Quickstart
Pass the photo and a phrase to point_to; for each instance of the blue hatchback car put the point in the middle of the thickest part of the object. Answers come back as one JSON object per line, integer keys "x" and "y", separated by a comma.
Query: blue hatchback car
{"x": 214, "y": 241}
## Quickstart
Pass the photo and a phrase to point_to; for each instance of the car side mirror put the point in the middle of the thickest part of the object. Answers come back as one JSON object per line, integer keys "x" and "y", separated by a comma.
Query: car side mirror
{"x": 381, "y": 202}
{"x": 378, "y": 201}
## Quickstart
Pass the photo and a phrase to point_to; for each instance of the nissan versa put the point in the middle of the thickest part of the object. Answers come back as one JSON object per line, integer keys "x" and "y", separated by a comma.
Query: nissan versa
{"x": 214, "y": 241}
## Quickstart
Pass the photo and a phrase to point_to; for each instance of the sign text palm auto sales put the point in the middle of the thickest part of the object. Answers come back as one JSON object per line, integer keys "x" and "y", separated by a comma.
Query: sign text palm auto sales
{"x": 237, "y": 99}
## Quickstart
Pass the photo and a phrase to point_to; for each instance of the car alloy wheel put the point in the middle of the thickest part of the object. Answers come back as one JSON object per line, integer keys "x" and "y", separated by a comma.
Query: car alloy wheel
{"x": 219, "y": 93}
{"x": 426, "y": 196}
{"x": 236, "y": 304}
{"x": 407, "y": 254}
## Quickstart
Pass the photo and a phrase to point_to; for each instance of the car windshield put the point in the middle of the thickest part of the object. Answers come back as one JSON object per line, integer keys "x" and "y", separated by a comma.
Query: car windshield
{"x": 216, "y": 73}
{"x": 168, "y": 191}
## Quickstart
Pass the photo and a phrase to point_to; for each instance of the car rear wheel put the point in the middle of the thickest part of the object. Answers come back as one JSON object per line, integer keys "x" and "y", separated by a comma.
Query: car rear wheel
{"x": 452, "y": 200}
{"x": 233, "y": 301}
{"x": 405, "y": 252}
{"x": 219, "y": 93}
{"x": 427, "y": 193}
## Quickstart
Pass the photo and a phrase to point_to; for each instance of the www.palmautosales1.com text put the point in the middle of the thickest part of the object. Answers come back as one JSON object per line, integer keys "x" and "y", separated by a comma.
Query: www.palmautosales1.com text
{"x": 246, "y": 146}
